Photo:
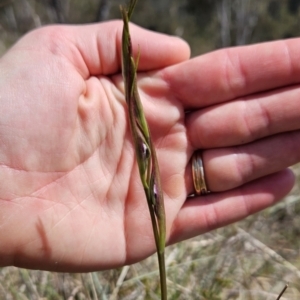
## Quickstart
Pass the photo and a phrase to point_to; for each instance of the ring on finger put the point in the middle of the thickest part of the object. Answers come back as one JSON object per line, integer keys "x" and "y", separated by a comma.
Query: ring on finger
{"x": 198, "y": 174}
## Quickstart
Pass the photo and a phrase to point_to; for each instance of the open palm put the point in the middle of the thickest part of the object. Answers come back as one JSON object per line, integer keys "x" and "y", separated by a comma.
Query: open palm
{"x": 71, "y": 198}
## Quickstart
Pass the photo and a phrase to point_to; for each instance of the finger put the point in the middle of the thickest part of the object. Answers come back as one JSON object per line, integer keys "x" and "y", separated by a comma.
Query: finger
{"x": 203, "y": 214}
{"x": 244, "y": 120}
{"x": 96, "y": 49}
{"x": 228, "y": 168}
{"x": 234, "y": 72}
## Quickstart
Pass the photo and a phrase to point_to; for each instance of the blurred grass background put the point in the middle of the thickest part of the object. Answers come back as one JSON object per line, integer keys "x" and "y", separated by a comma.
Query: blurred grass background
{"x": 252, "y": 259}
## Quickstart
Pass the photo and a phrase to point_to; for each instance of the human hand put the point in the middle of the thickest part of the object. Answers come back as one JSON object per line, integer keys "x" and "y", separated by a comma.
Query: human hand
{"x": 71, "y": 198}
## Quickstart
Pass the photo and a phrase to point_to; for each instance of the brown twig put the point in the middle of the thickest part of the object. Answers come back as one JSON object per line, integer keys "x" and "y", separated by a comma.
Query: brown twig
{"x": 282, "y": 292}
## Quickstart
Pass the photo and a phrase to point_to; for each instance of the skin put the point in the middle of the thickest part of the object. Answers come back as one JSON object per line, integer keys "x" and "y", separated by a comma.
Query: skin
{"x": 70, "y": 196}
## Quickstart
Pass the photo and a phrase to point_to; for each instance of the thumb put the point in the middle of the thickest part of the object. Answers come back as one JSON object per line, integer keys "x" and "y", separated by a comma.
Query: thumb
{"x": 96, "y": 49}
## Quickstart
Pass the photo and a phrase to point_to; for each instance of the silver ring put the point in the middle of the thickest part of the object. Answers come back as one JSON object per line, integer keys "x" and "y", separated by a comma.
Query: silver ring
{"x": 198, "y": 174}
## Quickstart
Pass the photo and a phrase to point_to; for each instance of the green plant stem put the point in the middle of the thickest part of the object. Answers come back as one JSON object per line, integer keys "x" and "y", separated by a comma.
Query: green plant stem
{"x": 163, "y": 275}
{"x": 144, "y": 148}
{"x": 160, "y": 256}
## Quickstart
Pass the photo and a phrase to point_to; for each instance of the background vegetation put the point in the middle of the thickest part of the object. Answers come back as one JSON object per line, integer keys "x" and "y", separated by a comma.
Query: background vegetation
{"x": 252, "y": 259}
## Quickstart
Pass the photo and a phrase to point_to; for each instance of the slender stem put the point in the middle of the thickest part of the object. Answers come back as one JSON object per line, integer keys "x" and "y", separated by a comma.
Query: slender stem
{"x": 144, "y": 148}
{"x": 163, "y": 275}
{"x": 282, "y": 292}
{"x": 160, "y": 256}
